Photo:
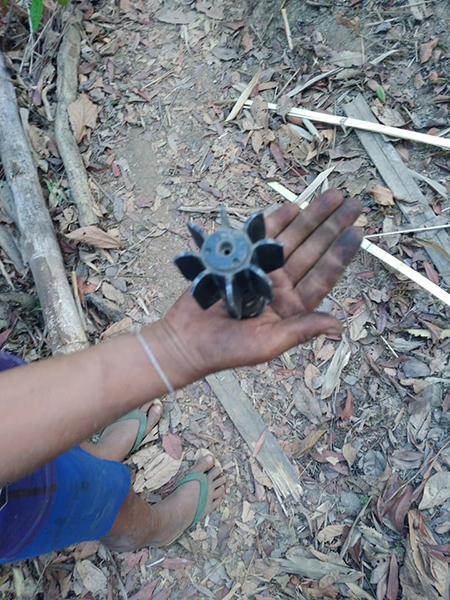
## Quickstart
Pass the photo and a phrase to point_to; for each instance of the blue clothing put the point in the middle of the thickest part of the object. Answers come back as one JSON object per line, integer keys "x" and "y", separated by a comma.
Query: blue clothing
{"x": 74, "y": 498}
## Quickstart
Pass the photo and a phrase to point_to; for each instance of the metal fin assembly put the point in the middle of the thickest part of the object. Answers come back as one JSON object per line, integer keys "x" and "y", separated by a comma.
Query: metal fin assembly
{"x": 232, "y": 264}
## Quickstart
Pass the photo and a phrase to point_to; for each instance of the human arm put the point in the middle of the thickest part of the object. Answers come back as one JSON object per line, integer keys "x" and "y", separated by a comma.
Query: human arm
{"x": 50, "y": 406}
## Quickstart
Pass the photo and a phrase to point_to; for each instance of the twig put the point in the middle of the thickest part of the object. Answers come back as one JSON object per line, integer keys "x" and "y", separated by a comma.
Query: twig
{"x": 67, "y": 85}
{"x": 287, "y": 29}
{"x": 123, "y": 591}
{"x": 417, "y": 230}
{"x": 344, "y": 122}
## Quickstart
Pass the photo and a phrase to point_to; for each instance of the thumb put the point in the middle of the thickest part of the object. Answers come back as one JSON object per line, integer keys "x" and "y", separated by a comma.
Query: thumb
{"x": 301, "y": 328}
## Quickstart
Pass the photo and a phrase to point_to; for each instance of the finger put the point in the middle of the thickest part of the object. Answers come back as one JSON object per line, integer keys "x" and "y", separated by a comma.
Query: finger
{"x": 280, "y": 219}
{"x": 300, "y": 329}
{"x": 320, "y": 280}
{"x": 314, "y": 247}
{"x": 309, "y": 220}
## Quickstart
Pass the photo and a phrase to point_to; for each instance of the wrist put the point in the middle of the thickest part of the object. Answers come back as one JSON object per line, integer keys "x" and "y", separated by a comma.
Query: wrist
{"x": 176, "y": 359}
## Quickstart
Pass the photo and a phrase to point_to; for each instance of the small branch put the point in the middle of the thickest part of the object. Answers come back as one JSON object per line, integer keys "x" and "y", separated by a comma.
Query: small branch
{"x": 67, "y": 85}
{"x": 287, "y": 29}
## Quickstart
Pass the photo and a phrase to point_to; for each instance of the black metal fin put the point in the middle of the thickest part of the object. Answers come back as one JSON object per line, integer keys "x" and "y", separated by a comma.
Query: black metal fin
{"x": 261, "y": 283}
{"x": 190, "y": 264}
{"x": 197, "y": 233}
{"x": 269, "y": 255}
{"x": 255, "y": 227}
{"x": 205, "y": 290}
{"x": 233, "y": 298}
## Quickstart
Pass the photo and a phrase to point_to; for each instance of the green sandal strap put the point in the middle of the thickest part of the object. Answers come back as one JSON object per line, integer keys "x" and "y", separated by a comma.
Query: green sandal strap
{"x": 203, "y": 496}
{"x": 142, "y": 418}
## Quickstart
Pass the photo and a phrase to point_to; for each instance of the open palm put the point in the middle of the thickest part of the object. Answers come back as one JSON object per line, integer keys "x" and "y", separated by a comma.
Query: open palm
{"x": 319, "y": 243}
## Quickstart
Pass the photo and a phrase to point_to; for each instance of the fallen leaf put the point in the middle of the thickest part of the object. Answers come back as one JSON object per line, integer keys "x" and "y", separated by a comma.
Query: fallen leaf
{"x": 431, "y": 272}
{"x": 437, "y": 490}
{"x": 156, "y": 468}
{"x": 223, "y": 53}
{"x": 382, "y": 195}
{"x": 122, "y": 326}
{"x": 393, "y": 580}
{"x": 85, "y": 549}
{"x": 388, "y": 116}
{"x": 259, "y": 476}
{"x": 94, "y": 236}
{"x": 82, "y": 113}
{"x": 172, "y": 445}
{"x": 348, "y": 408}
{"x": 332, "y": 377}
{"x": 175, "y": 563}
{"x": 305, "y": 402}
{"x": 311, "y": 372}
{"x": 93, "y": 578}
{"x": 349, "y": 452}
{"x": 110, "y": 292}
{"x": 277, "y": 153}
{"x": 426, "y": 50}
{"x": 176, "y": 17}
{"x": 259, "y": 443}
{"x": 309, "y": 442}
{"x": 328, "y": 533}
{"x": 147, "y": 592}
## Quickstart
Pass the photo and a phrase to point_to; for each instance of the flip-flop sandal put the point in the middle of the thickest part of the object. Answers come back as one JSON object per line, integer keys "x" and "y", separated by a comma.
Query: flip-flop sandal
{"x": 202, "y": 499}
{"x": 137, "y": 415}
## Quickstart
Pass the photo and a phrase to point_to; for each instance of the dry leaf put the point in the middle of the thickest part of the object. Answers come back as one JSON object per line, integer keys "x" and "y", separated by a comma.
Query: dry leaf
{"x": 349, "y": 452}
{"x": 327, "y": 534}
{"x": 309, "y": 442}
{"x": 94, "y": 236}
{"x": 259, "y": 476}
{"x": 176, "y": 17}
{"x": 306, "y": 402}
{"x": 110, "y": 292}
{"x": 176, "y": 563}
{"x": 118, "y": 328}
{"x": 348, "y": 408}
{"x": 388, "y": 116}
{"x": 426, "y": 50}
{"x": 311, "y": 372}
{"x": 93, "y": 578}
{"x": 382, "y": 195}
{"x": 82, "y": 113}
{"x": 172, "y": 445}
{"x": 437, "y": 490}
{"x": 332, "y": 376}
{"x": 156, "y": 468}
{"x": 259, "y": 443}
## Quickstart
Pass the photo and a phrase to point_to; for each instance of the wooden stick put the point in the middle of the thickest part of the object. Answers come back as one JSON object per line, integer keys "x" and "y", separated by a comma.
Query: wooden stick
{"x": 245, "y": 95}
{"x": 67, "y": 86}
{"x": 395, "y": 132}
{"x": 287, "y": 29}
{"x": 40, "y": 247}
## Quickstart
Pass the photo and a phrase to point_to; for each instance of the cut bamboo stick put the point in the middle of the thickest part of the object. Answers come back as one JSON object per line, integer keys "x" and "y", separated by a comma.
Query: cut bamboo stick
{"x": 344, "y": 122}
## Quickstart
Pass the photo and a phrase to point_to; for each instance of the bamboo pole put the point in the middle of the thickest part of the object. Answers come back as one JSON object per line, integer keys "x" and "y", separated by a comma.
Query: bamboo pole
{"x": 40, "y": 247}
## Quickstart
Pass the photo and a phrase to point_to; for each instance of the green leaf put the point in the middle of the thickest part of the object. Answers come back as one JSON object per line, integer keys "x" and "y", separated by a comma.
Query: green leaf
{"x": 63, "y": 2}
{"x": 380, "y": 94}
{"x": 36, "y": 13}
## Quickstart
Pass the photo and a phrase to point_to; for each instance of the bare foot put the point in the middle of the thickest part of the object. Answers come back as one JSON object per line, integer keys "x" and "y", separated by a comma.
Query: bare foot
{"x": 118, "y": 439}
{"x": 176, "y": 512}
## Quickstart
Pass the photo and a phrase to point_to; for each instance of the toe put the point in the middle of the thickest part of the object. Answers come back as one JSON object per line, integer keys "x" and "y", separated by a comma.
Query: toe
{"x": 204, "y": 464}
{"x": 154, "y": 414}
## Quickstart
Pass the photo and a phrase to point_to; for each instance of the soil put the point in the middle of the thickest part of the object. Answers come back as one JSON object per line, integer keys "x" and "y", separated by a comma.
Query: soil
{"x": 161, "y": 154}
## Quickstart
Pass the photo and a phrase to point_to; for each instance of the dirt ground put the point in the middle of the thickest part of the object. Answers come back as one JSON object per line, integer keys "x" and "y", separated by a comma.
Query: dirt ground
{"x": 372, "y": 454}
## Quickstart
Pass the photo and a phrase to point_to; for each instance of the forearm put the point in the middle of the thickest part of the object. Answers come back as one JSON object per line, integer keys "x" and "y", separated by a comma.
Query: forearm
{"x": 49, "y": 407}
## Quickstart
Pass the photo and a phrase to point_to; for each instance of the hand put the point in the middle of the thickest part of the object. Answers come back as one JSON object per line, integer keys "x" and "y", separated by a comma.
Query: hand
{"x": 319, "y": 242}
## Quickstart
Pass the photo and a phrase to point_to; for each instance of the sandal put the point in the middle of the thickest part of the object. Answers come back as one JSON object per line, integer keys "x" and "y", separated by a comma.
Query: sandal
{"x": 202, "y": 499}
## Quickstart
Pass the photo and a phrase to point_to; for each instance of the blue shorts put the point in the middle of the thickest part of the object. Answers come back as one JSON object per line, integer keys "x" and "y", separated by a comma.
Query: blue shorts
{"x": 73, "y": 499}
{"x": 89, "y": 493}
